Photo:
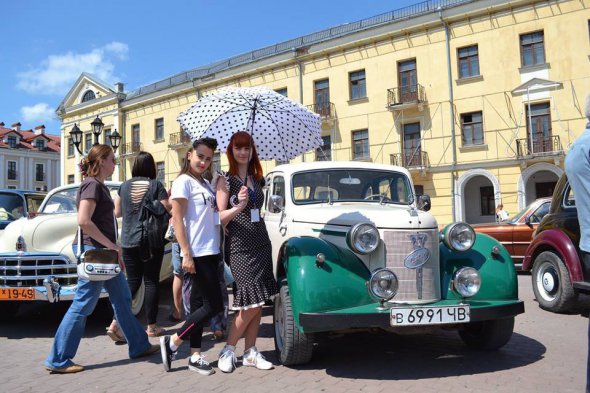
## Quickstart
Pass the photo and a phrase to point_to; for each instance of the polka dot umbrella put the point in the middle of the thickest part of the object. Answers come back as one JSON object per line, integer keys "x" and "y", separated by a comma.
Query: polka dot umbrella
{"x": 282, "y": 129}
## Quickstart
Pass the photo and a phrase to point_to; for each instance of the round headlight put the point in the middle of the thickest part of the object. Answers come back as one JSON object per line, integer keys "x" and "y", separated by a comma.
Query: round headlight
{"x": 459, "y": 236}
{"x": 383, "y": 284}
{"x": 467, "y": 281}
{"x": 363, "y": 238}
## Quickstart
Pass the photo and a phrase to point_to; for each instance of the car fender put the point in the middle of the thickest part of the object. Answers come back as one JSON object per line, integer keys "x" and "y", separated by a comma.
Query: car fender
{"x": 555, "y": 240}
{"x": 337, "y": 283}
{"x": 498, "y": 275}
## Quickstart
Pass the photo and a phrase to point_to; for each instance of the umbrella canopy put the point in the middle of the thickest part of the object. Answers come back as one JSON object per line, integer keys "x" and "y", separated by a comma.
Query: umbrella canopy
{"x": 281, "y": 128}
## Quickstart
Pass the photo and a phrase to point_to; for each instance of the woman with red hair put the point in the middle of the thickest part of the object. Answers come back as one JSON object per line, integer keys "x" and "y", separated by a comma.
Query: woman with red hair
{"x": 247, "y": 248}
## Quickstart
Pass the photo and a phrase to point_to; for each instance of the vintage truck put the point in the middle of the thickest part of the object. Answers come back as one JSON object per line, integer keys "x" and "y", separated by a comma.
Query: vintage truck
{"x": 354, "y": 248}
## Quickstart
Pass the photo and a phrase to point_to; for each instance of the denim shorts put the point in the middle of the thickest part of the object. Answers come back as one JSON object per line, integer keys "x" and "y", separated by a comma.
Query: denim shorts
{"x": 176, "y": 260}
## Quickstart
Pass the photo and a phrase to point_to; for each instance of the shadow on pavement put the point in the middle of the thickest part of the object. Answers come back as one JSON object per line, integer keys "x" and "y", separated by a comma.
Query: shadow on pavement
{"x": 384, "y": 356}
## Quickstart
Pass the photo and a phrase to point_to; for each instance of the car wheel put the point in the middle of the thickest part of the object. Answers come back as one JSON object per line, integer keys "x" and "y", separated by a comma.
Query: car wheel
{"x": 551, "y": 283}
{"x": 292, "y": 346}
{"x": 137, "y": 301}
{"x": 8, "y": 310}
{"x": 487, "y": 335}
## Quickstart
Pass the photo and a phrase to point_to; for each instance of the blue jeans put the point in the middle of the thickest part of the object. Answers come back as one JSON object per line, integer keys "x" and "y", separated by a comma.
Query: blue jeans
{"x": 71, "y": 328}
{"x": 176, "y": 260}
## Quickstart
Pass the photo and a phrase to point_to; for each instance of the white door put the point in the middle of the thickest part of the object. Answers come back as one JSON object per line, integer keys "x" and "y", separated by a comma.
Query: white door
{"x": 275, "y": 218}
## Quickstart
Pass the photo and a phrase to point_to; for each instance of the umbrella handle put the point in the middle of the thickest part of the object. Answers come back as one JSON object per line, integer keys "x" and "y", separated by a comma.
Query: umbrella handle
{"x": 234, "y": 201}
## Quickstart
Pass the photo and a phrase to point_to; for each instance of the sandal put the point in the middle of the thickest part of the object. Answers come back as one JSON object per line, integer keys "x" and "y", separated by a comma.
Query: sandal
{"x": 155, "y": 332}
{"x": 116, "y": 336}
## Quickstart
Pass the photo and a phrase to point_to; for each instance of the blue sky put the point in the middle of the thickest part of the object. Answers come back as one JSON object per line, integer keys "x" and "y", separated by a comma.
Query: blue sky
{"x": 45, "y": 45}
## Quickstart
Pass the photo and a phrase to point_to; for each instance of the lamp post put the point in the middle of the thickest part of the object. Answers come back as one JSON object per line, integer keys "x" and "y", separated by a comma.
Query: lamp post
{"x": 97, "y": 126}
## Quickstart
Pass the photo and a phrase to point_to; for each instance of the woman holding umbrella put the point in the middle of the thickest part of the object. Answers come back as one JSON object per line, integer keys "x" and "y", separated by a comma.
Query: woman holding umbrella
{"x": 247, "y": 248}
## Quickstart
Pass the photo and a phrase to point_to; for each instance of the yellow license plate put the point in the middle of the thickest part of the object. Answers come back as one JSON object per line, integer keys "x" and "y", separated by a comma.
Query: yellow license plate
{"x": 17, "y": 294}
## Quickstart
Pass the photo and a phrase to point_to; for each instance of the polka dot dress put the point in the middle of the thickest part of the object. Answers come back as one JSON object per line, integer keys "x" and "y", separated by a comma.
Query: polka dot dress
{"x": 249, "y": 253}
{"x": 282, "y": 129}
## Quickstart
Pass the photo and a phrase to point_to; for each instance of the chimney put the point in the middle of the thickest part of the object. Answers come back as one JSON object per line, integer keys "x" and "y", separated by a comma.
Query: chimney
{"x": 2, "y": 124}
{"x": 40, "y": 130}
{"x": 16, "y": 126}
{"x": 120, "y": 87}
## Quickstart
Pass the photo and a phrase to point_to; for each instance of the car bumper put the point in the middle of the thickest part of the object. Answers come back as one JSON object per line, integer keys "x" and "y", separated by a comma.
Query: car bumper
{"x": 50, "y": 292}
{"x": 369, "y": 316}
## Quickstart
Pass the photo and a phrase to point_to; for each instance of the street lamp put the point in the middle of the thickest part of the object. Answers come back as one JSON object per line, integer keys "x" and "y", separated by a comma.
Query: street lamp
{"x": 97, "y": 125}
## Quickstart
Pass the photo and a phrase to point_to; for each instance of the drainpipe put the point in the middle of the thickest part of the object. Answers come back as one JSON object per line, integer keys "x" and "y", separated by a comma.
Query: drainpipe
{"x": 123, "y": 161}
{"x": 452, "y": 113}
{"x": 300, "y": 68}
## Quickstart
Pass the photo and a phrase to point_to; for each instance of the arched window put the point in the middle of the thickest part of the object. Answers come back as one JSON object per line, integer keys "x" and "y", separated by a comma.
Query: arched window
{"x": 89, "y": 95}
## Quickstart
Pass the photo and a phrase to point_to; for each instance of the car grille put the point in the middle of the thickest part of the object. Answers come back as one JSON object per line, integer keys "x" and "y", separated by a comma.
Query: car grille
{"x": 412, "y": 287}
{"x": 29, "y": 271}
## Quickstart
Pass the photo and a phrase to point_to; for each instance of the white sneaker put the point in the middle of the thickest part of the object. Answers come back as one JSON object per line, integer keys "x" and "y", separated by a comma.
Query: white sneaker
{"x": 253, "y": 358}
{"x": 227, "y": 361}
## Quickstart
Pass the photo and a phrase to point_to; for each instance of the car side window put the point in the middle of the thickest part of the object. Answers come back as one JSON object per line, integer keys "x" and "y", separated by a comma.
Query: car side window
{"x": 541, "y": 211}
{"x": 62, "y": 202}
{"x": 277, "y": 189}
{"x": 569, "y": 199}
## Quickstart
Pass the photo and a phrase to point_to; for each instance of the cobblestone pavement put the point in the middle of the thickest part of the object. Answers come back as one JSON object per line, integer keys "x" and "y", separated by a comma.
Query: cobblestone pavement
{"x": 547, "y": 353}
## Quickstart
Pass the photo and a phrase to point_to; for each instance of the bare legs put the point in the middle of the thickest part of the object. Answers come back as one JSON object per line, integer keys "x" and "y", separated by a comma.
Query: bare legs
{"x": 177, "y": 297}
{"x": 246, "y": 324}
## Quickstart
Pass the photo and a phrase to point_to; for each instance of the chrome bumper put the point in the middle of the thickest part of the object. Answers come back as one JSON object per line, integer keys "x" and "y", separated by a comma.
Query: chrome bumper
{"x": 52, "y": 292}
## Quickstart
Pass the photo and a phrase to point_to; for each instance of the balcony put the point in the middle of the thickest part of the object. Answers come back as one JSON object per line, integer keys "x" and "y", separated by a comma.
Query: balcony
{"x": 326, "y": 111}
{"x": 541, "y": 147}
{"x": 406, "y": 97}
{"x": 131, "y": 148}
{"x": 179, "y": 140}
{"x": 417, "y": 160}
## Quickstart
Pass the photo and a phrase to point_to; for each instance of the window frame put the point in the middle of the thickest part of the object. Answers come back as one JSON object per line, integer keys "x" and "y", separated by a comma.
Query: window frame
{"x": 360, "y": 140}
{"x": 9, "y": 139}
{"x": 161, "y": 172}
{"x": 473, "y": 126}
{"x": 490, "y": 201}
{"x": 327, "y": 151}
{"x": 362, "y": 87}
{"x": 159, "y": 128}
{"x": 470, "y": 62}
{"x": 15, "y": 170}
{"x": 37, "y": 166}
{"x": 534, "y": 46}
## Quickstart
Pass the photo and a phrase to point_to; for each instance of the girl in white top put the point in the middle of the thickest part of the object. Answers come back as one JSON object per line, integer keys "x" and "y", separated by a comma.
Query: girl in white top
{"x": 196, "y": 223}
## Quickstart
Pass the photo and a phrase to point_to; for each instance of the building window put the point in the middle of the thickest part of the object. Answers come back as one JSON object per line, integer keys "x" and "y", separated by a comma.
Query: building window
{"x": 70, "y": 179}
{"x": 488, "y": 204}
{"x": 216, "y": 162}
{"x": 39, "y": 172}
{"x": 88, "y": 141}
{"x": 360, "y": 144}
{"x": 11, "y": 187}
{"x": 472, "y": 129}
{"x": 282, "y": 91}
{"x": 539, "y": 132}
{"x": 70, "y": 147}
{"x": 11, "y": 140}
{"x": 358, "y": 85}
{"x": 11, "y": 170}
{"x": 468, "y": 62}
{"x": 159, "y": 129}
{"x": 321, "y": 95}
{"x": 135, "y": 134}
{"x": 89, "y": 95}
{"x": 40, "y": 144}
{"x": 161, "y": 172}
{"x": 107, "y": 134}
{"x": 324, "y": 153}
{"x": 532, "y": 50}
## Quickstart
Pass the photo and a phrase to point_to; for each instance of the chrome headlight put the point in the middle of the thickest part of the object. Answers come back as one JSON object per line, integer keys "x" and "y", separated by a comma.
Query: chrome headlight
{"x": 467, "y": 281}
{"x": 363, "y": 238}
{"x": 459, "y": 236}
{"x": 383, "y": 284}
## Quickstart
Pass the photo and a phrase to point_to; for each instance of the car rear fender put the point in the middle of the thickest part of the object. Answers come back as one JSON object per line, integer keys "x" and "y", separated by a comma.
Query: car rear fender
{"x": 339, "y": 282}
{"x": 557, "y": 241}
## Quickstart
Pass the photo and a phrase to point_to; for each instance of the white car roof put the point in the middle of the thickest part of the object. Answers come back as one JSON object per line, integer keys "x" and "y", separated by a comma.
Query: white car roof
{"x": 289, "y": 169}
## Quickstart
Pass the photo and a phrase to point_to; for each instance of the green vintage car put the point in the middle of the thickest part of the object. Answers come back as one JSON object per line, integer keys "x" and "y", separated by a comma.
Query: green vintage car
{"x": 354, "y": 248}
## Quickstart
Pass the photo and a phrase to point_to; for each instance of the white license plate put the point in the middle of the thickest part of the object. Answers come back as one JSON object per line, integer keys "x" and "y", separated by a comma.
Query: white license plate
{"x": 404, "y": 316}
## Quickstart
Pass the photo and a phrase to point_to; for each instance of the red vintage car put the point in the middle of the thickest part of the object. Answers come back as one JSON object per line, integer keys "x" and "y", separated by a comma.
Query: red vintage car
{"x": 516, "y": 233}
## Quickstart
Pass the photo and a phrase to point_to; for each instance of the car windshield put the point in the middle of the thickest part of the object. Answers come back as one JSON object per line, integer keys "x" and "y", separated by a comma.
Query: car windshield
{"x": 34, "y": 202}
{"x": 537, "y": 215}
{"x": 64, "y": 201}
{"x": 11, "y": 207}
{"x": 351, "y": 185}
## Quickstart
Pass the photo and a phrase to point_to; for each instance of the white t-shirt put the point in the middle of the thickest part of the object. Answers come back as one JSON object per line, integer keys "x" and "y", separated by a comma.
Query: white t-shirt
{"x": 200, "y": 219}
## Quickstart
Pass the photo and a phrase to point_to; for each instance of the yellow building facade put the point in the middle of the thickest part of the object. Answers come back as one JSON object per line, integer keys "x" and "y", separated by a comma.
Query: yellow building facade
{"x": 479, "y": 99}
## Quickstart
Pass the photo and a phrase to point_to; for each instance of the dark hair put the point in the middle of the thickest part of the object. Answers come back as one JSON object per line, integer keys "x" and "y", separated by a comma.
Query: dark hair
{"x": 90, "y": 165}
{"x": 211, "y": 143}
{"x": 144, "y": 166}
{"x": 243, "y": 139}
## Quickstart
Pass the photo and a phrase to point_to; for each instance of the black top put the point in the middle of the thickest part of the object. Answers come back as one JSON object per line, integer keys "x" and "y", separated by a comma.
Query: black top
{"x": 132, "y": 193}
{"x": 103, "y": 216}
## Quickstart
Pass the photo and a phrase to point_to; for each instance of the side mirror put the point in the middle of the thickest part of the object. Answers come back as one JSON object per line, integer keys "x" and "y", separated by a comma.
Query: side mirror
{"x": 424, "y": 202}
{"x": 277, "y": 203}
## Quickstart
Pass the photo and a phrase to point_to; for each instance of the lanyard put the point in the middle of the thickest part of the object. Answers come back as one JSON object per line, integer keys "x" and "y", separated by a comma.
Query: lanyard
{"x": 251, "y": 193}
{"x": 212, "y": 198}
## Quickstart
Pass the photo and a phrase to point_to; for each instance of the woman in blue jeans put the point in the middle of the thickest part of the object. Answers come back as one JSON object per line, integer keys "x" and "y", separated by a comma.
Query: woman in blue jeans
{"x": 97, "y": 225}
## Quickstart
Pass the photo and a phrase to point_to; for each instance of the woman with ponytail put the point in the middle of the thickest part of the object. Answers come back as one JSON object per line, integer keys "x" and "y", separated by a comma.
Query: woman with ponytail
{"x": 97, "y": 226}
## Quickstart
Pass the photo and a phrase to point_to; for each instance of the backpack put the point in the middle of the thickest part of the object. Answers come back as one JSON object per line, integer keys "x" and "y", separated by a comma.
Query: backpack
{"x": 153, "y": 221}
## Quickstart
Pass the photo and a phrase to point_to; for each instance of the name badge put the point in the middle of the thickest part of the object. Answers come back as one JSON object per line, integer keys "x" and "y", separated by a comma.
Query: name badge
{"x": 216, "y": 218}
{"x": 255, "y": 215}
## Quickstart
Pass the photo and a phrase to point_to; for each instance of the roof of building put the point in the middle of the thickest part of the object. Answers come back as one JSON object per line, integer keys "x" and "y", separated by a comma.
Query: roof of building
{"x": 27, "y": 137}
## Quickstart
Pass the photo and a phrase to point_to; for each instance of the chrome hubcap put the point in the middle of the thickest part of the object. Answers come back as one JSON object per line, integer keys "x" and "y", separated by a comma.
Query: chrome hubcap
{"x": 548, "y": 282}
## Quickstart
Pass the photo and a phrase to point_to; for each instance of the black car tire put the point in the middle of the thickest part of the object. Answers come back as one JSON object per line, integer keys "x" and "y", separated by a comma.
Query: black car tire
{"x": 487, "y": 335}
{"x": 292, "y": 347}
{"x": 551, "y": 283}
{"x": 8, "y": 310}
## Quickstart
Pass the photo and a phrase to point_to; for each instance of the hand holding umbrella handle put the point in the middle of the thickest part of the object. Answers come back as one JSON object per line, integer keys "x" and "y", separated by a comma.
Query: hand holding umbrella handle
{"x": 241, "y": 199}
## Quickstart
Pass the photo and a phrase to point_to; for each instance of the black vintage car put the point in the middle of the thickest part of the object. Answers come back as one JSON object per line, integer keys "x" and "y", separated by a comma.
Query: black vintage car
{"x": 554, "y": 256}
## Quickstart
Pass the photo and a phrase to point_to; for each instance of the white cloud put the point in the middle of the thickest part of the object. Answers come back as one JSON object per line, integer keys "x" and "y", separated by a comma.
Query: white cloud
{"x": 57, "y": 73}
{"x": 41, "y": 112}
